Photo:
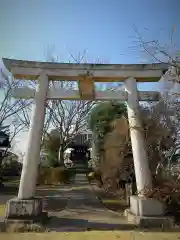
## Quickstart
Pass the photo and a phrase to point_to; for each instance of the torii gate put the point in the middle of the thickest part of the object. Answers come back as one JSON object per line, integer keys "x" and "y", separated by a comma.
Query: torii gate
{"x": 85, "y": 75}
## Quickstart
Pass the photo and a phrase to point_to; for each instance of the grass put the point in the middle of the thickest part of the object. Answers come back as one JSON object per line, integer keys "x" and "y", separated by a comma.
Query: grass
{"x": 14, "y": 180}
{"x": 100, "y": 235}
{"x": 112, "y": 201}
{"x": 49, "y": 188}
{"x": 114, "y": 204}
{"x": 108, "y": 200}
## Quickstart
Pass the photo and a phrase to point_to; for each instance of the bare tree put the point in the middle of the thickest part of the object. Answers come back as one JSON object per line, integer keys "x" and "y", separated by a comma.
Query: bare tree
{"x": 170, "y": 87}
{"x": 9, "y": 111}
{"x": 68, "y": 117}
{"x": 161, "y": 53}
{"x": 9, "y": 107}
{"x": 158, "y": 52}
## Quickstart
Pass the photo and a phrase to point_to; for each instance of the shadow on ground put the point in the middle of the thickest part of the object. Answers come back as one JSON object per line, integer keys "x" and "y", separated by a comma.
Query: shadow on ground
{"x": 79, "y": 225}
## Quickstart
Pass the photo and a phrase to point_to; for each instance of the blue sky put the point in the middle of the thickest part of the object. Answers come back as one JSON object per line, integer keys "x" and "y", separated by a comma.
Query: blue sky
{"x": 104, "y": 28}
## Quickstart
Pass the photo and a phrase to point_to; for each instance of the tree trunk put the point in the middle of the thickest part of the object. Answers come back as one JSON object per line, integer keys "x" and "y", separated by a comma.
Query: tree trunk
{"x": 1, "y": 169}
{"x": 61, "y": 155}
{"x": 95, "y": 147}
{"x": 94, "y": 150}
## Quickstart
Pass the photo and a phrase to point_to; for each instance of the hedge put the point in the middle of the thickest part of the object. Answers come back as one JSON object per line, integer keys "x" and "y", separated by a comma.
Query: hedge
{"x": 54, "y": 175}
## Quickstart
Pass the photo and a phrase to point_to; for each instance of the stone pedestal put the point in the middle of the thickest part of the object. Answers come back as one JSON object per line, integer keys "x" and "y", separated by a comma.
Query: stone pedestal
{"x": 146, "y": 212}
{"x": 142, "y": 206}
{"x": 26, "y": 211}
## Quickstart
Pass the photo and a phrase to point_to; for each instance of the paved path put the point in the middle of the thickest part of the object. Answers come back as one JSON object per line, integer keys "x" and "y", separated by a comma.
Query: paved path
{"x": 84, "y": 211}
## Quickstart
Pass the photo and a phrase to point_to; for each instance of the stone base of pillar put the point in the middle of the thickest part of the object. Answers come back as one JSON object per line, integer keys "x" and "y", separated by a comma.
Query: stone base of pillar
{"x": 25, "y": 211}
{"x": 148, "y": 213}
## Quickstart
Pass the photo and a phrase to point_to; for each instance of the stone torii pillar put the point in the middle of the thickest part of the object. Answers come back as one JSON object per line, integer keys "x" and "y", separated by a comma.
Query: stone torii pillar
{"x": 142, "y": 210}
{"x": 141, "y": 165}
{"x": 26, "y": 205}
{"x": 30, "y": 166}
